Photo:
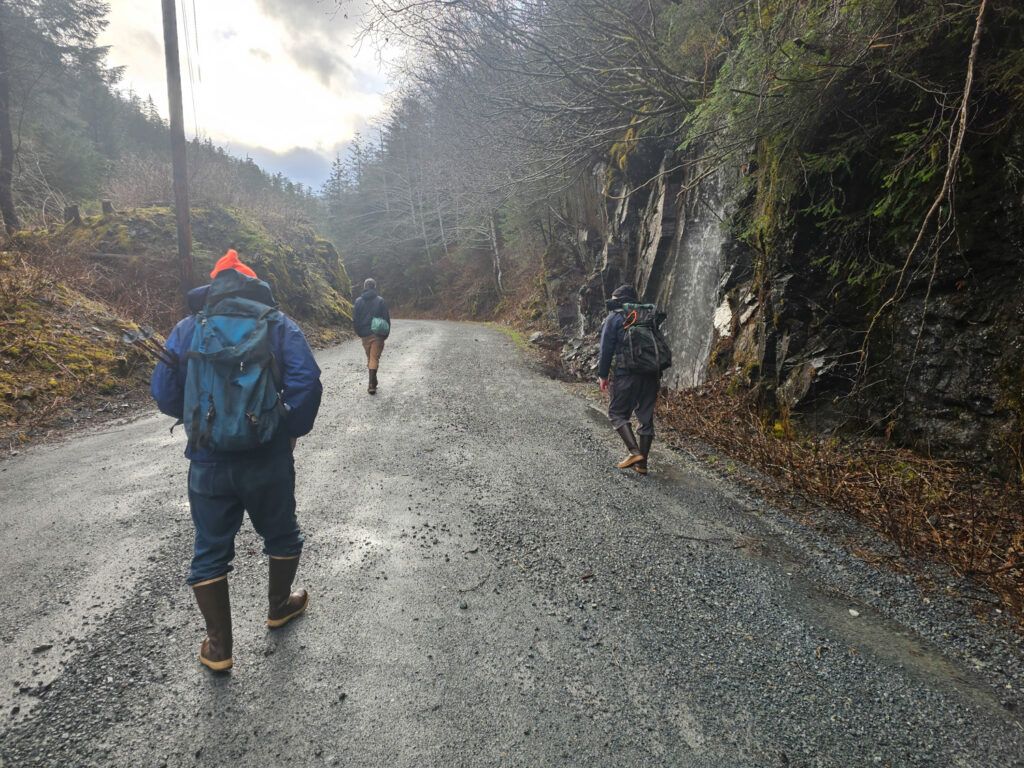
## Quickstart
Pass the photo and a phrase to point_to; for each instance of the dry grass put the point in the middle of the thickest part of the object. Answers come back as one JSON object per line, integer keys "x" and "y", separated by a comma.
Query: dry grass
{"x": 60, "y": 354}
{"x": 941, "y": 510}
{"x": 140, "y": 287}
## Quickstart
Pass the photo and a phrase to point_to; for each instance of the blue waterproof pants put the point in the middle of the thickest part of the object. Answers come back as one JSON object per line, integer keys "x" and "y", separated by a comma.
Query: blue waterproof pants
{"x": 220, "y": 493}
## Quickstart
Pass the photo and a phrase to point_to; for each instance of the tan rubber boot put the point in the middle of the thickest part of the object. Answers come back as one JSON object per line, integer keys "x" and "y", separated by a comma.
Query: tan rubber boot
{"x": 635, "y": 456}
{"x": 215, "y": 605}
{"x": 285, "y": 605}
{"x": 645, "y": 448}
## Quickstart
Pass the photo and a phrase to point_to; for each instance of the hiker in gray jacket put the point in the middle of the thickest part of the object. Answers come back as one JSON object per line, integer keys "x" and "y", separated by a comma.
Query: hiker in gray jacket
{"x": 631, "y": 391}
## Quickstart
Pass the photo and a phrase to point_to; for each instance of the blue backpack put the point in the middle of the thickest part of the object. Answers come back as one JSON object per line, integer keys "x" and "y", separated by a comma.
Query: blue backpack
{"x": 232, "y": 389}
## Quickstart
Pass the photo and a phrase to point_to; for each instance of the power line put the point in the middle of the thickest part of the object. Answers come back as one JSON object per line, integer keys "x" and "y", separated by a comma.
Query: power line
{"x": 195, "y": 29}
{"x": 188, "y": 60}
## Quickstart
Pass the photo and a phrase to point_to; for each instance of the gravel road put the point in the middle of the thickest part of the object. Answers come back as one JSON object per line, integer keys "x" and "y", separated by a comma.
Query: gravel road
{"x": 488, "y": 590}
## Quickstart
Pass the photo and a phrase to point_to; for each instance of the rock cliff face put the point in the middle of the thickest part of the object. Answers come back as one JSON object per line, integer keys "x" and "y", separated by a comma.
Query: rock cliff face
{"x": 945, "y": 372}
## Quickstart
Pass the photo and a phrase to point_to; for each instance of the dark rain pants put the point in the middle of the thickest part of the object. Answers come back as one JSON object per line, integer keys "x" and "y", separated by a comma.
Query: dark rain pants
{"x": 634, "y": 393}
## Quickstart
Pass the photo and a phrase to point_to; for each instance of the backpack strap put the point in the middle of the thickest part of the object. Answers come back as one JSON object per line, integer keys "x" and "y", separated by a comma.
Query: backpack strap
{"x": 193, "y": 439}
{"x": 275, "y": 367}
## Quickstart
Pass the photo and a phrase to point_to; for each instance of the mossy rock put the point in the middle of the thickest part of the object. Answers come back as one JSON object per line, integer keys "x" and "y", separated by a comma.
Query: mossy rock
{"x": 68, "y": 347}
{"x": 138, "y": 248}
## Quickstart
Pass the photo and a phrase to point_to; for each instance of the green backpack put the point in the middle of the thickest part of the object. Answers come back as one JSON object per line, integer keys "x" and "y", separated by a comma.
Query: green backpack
{"x": 643, "y": 348}
{"x": 378, "y": 325}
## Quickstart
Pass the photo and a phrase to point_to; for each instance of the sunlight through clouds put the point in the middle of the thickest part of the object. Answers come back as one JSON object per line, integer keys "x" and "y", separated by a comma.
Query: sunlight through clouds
{"x": 273, "y": 76}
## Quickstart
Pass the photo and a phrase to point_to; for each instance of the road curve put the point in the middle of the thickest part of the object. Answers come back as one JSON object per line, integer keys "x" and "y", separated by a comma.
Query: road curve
{"x": 487, "y": 591}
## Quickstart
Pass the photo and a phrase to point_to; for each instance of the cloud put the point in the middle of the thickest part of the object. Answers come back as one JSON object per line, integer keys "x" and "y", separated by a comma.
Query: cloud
{"x": 276, "y": 75}
{"x": 145, "y": 40}
{"x": 302, "y": 17}
{"x": 319, "y": 60}
{"x": 319, "y": 34}
{"x": 300, "y": 164}
{"x": 145, "y": 52}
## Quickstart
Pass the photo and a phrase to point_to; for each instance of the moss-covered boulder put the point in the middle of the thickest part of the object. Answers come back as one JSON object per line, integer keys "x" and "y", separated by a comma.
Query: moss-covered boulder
{"x": 61, "y": 354}
{"x": 131, "y": 261}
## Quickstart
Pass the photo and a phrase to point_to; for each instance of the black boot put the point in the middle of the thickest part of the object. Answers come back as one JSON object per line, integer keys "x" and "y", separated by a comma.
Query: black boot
{"x": 645, "y": 448}
{"x": 215, "y": 605}
{"x": 285, "y": 605}
{"x": 372, "y": 389}
{"x": 626, "y": 433}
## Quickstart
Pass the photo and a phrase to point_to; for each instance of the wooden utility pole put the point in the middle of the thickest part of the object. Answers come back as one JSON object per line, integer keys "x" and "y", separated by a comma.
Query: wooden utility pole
{"x": 7, "y": 210}
{"x": 181, "y": 211}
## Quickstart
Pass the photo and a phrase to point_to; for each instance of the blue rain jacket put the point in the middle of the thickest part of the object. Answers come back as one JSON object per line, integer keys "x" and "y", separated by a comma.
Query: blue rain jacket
{"x": 611, "y": 336}
{"x": 299, "y": 373}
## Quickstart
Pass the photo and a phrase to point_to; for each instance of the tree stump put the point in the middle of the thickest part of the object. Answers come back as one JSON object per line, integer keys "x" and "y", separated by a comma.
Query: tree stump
{"x": 71, "y": 215}
{"x": 108, "y": 208}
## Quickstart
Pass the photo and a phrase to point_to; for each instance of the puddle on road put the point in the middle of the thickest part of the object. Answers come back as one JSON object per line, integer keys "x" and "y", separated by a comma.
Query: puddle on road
{"x": 597, "y": 415}
{"x": 671, "y": 472}
{"x": 665, "y": 465}
{"x": 869, "y": 632}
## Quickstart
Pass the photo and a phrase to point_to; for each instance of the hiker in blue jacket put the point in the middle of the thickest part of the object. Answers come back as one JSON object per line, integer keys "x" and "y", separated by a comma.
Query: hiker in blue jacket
{"x": 631, "y": 391}
{"x": 260, "y": 479}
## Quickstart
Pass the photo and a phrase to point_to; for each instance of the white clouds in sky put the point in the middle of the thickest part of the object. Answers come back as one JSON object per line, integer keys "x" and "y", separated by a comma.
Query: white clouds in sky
{"x": 276, "y": 74}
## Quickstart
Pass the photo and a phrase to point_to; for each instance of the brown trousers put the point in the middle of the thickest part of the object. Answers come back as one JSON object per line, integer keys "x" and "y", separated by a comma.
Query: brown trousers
{"x": 373, "y": 345}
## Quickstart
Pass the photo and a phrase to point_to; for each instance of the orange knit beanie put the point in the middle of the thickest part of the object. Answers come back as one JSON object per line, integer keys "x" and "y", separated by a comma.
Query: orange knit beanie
{"x": 230, "y": 261}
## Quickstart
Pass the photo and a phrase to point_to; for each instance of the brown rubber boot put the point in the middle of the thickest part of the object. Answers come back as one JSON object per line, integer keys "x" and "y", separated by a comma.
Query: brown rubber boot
{"x": 372, "y": 389}
{"x": 215, "y": 605}
{"x": 285, "y": 605}
{"x": 645, "y": 448}
{"x": 635, "y": 456}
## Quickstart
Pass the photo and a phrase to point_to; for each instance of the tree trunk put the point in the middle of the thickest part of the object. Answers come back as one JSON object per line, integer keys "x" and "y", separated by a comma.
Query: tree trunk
{"x": 496, "y": 252}
{"x": 6, "y": 137}
{"x": 440, "y": 220}
{"x": 423, "y": 224}
{"x": 384, "y": 176}
{"x": 416, "y": 203}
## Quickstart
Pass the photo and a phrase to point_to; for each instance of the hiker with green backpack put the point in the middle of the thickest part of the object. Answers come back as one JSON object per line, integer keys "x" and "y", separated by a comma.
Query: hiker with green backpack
{"x": 632, "y": 340}
{"x": 372, "y": 323}
{"x": 240, "y": 376}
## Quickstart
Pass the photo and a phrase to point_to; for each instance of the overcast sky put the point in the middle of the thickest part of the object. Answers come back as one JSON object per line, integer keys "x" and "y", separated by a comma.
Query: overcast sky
{"x": 279, "y": 80}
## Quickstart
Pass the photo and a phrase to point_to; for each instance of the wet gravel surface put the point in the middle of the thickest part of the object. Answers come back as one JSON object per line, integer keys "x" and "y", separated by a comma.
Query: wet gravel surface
{"x": 488, "y": 590}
